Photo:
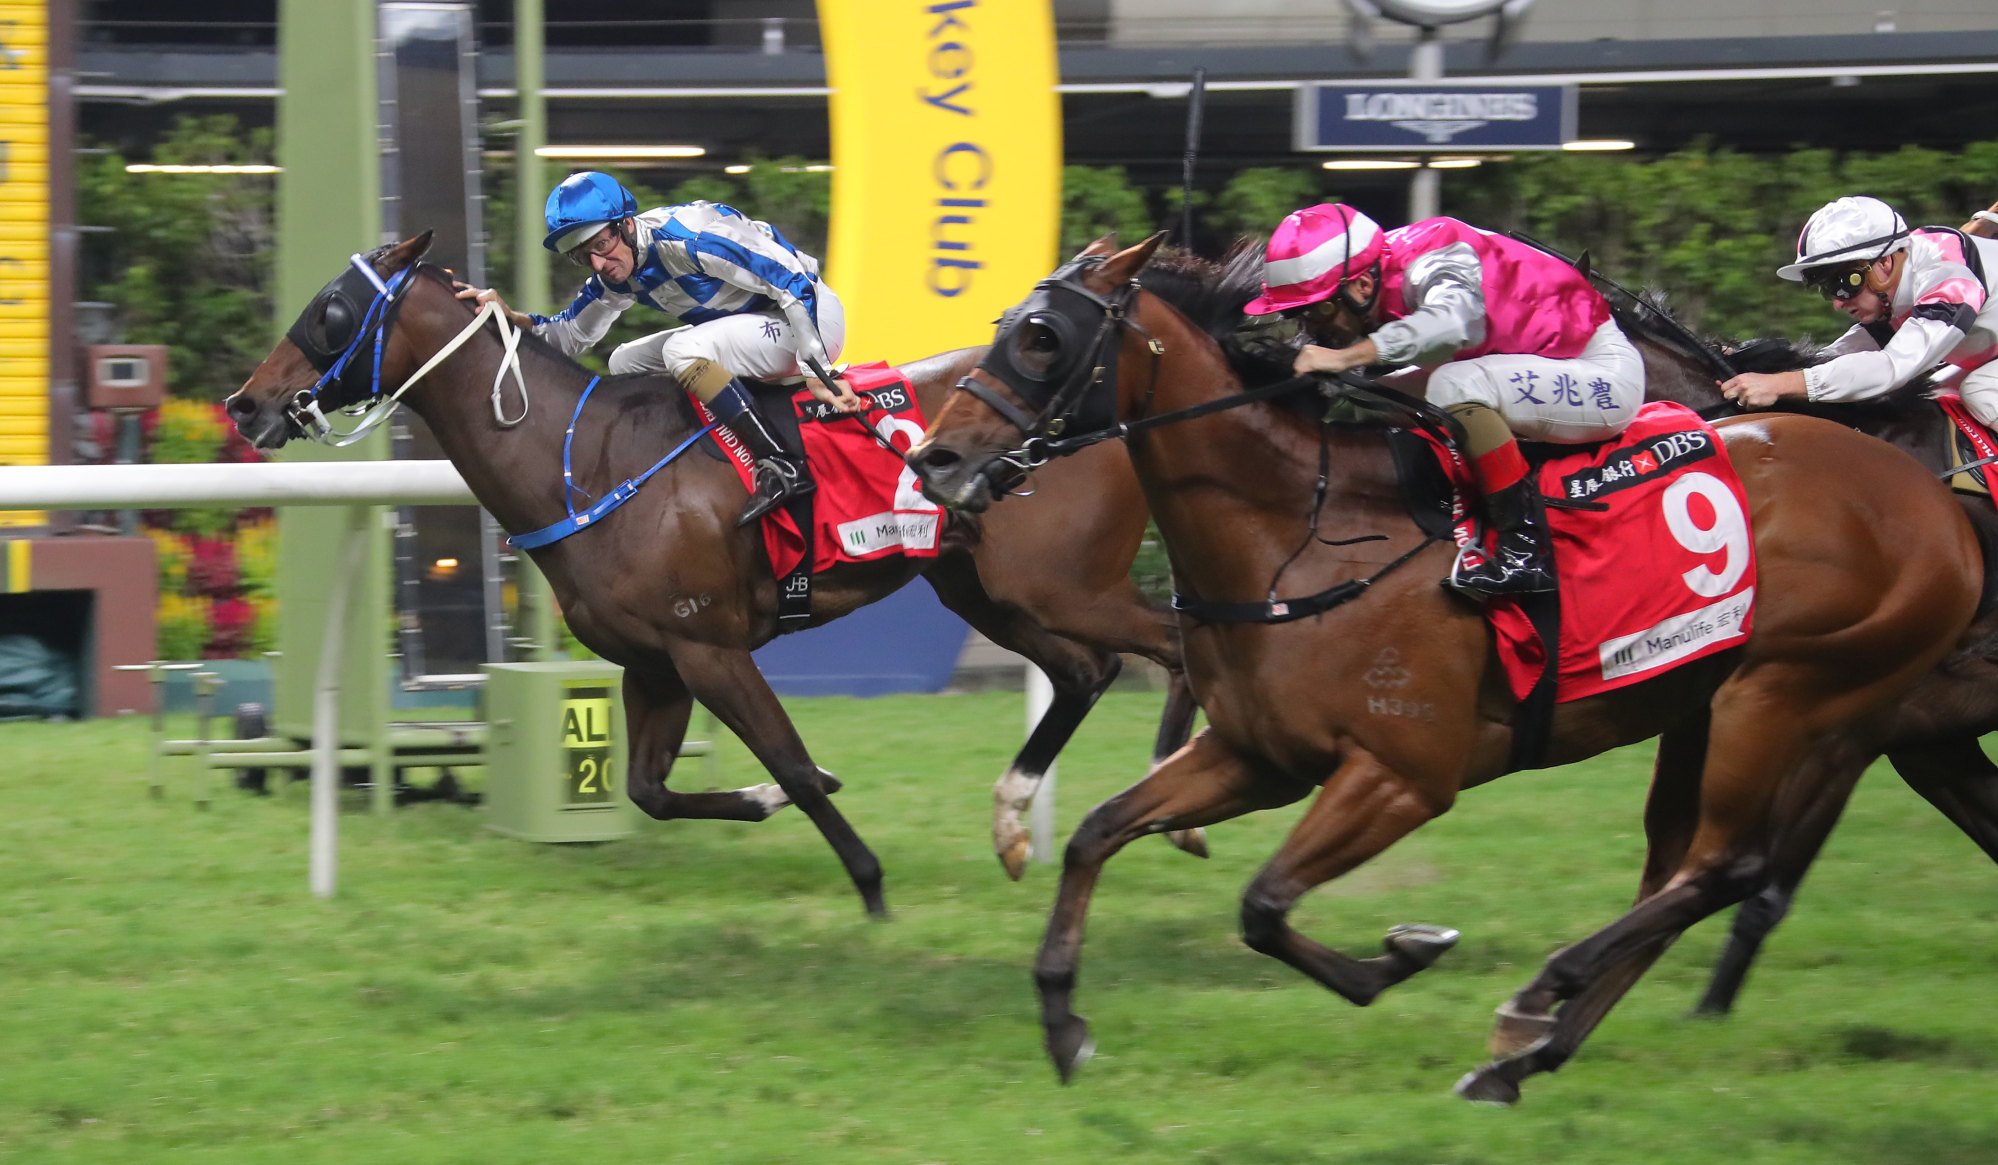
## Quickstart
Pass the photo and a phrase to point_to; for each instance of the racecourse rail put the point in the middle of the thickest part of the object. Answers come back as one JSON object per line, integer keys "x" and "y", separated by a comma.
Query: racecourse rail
{"x": 358, "y": 486}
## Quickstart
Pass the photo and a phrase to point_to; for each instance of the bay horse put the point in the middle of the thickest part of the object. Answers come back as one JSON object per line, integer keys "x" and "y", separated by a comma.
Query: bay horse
{"x": 1932, "y": 737}
{"x": 670, "y": 590}
{"x": 1869, "y": 575}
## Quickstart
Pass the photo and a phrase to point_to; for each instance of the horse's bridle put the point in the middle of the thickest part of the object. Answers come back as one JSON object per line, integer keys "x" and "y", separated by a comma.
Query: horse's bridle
{"x": 333, "y": 329}
{"x": 1061, "y": 395}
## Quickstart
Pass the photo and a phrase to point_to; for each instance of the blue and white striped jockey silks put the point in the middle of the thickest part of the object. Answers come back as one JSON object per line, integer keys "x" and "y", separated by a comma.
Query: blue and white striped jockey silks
{"x": 700, "y": 261}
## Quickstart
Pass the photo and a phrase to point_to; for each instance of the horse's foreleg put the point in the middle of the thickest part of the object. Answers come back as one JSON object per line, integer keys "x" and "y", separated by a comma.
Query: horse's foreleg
{"x": 1203, "y": 783}
{"x": 657, "y": 705}
{"x": 1078, "y": 674}
{"x": 726, "y": 681}
{"x": 1363, "y": 808}
{"x": 1175, "y": 727}
{"x": 1959, "y": 780}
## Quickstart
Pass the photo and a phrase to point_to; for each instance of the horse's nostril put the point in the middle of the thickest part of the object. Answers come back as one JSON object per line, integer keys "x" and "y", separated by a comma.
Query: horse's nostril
{"x": 240, "y": 407}
{"x": 937, "y": 458}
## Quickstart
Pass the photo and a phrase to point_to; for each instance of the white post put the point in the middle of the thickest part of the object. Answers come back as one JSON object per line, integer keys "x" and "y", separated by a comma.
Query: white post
{"x": 325, "y": 843}
{"x": 1040, "y": 817}
{"x": 1425, "y": 197}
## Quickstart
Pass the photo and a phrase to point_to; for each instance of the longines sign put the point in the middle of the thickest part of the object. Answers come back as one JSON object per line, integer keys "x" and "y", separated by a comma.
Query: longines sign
{"x": 1434, "y": 117}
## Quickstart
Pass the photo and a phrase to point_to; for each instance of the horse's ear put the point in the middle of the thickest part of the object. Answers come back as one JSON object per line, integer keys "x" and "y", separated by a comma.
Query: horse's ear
{"x": 407, "y": 253}
{"x": 1105, "y": 245}
{"x": 1582, "y": 264}
{"x": 1128, "y": 262}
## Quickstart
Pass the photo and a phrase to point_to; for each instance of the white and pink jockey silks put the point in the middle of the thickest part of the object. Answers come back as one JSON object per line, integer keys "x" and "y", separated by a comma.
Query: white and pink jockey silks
{"x": 1942, "y": 311}
{"x": 1451, "y": 291}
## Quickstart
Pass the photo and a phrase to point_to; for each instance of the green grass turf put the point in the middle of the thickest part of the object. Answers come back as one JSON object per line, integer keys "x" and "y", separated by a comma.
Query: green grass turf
{"x": 710, "y": 992}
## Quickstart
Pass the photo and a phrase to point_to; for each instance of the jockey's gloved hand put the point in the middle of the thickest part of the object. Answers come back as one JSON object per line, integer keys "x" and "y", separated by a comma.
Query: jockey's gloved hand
{"x": 480, "y": 296}
{"x": 1263, "y": 346}
{"x": 830, "y": 387}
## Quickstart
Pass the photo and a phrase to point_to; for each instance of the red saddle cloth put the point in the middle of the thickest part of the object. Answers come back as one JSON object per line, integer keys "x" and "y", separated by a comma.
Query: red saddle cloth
{"x": 1979, "y": 437}
{"x": 1657, "y": 570}
{"x": 867, "y": 505}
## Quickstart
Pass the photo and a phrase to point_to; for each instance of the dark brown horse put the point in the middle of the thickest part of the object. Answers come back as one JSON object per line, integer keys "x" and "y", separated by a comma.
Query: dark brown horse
{"x": 1932, "y": 738}
{"x": 670, "y": 590}
{"x": 1868, "y": 577}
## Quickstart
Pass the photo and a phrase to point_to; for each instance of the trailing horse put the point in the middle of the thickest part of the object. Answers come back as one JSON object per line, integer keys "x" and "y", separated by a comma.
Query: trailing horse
{"x": 1932, "y": 739}
{"x": 668, "y": 588}
{"x": 1869, "y": 576}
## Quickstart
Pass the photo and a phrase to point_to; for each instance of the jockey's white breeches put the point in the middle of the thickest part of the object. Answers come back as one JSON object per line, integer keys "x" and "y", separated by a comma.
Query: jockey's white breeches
{"x": 1590, "y": 397}
{"x": 1979, "y": 387}
{"x": 758, "y": 344}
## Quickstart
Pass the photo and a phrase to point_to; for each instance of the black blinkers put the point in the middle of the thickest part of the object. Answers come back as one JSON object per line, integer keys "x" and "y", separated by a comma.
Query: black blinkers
{"x": 1057, "y": 353}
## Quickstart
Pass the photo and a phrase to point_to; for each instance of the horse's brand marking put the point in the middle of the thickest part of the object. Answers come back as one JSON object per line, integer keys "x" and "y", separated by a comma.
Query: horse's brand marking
{"x": 688, "y": 606}
{"x": 1386, "y": 671}
{"x": 1396, "y": 706}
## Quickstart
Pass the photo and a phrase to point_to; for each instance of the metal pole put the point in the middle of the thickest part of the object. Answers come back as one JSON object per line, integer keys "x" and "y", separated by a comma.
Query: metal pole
{"x": 326, "y": 712}
{"x": 1195, "y": 98}
{"x": 530, "y": 262}
{"x": 1425, "y": 188}
{"x": 1040, "y": 815}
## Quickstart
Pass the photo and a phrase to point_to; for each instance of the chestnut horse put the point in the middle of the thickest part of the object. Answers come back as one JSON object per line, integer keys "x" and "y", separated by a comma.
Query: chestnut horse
{"x": 669, "y": 588}
{"x": 1869, "y": 575}
{"x": 1932, "y": 738}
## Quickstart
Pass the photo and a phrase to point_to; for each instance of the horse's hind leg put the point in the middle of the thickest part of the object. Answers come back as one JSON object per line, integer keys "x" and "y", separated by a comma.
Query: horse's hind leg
{"x": 726, "y": 681}
{"x": 1079, "y": 675}
{"x": 1362, "y": 809}
{"x": 1202, "y": 783}
{"x": 1953, "y": 775}
{"x": 1727, "y": 858}
{"x": 656, "y": 707}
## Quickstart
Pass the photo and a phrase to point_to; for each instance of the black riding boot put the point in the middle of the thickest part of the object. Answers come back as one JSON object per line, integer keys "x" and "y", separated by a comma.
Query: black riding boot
{"x": 779, "y": 477}
{"x": 1521, "y": 563}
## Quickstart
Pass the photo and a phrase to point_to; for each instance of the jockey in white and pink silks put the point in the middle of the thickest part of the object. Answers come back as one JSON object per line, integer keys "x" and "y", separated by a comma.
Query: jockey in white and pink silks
{"x": 1918, "y": 297}
{"x": 1509, "y": 339}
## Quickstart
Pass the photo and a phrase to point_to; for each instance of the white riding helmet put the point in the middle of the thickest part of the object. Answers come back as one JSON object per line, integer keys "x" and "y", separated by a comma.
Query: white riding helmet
{"x": 1845, "y": 230}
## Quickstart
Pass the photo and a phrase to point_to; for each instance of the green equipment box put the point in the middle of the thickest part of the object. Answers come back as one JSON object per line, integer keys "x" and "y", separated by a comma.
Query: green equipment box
{"x": 555, "y": 752}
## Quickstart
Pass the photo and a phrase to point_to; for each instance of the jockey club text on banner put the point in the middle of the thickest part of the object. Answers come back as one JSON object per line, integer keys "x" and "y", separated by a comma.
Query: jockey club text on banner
{"x": 946, "y": 134}
{"x": 1435, "y": 116}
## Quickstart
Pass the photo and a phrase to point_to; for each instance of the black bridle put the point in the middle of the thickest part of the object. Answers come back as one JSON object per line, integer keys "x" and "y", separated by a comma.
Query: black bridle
{"x": 1076, "y": 389}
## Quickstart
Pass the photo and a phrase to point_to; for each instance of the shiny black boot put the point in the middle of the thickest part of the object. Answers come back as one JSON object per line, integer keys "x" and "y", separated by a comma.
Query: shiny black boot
{"x": 1521, "y": 562}
{"x": 779, "y": 477}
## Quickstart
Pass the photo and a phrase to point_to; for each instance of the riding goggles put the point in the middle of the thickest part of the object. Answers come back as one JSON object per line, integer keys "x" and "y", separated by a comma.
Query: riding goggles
{"x": 599, "y": 245}
{"x": 1838, "y": 283}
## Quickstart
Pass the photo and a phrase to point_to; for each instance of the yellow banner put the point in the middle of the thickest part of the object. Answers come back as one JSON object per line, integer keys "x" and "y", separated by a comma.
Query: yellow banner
{"x": 946, "y": 135}
{"x": 24, "y": 230}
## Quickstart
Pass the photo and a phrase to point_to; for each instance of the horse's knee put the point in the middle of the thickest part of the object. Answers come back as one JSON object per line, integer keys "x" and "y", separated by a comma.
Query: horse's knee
{"x": 1761, "y": 911}
{"x": 1263, "y": 925}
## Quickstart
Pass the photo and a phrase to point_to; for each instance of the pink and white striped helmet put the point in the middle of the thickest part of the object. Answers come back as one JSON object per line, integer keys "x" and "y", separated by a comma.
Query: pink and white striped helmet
{"x": 1312, "y": 252}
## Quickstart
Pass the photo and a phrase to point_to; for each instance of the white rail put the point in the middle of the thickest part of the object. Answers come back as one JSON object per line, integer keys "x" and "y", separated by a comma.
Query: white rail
{"x": 353, "y": 484}
{"x": 301, "y": 483}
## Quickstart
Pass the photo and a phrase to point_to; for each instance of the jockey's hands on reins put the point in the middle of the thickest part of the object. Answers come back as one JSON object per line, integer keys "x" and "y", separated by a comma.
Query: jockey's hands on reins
{"x": 1312, "y": 358}
{"x": 480, "y": 296}
{"x": 1760, "y": 390}
{"x": 836, "y": 394}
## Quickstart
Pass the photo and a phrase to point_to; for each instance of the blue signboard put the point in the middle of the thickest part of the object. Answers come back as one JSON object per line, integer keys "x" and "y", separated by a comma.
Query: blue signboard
{"x": 1434, "y": 117}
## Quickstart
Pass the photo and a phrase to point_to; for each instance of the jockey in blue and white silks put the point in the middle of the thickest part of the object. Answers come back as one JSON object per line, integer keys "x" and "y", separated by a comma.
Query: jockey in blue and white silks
{"x": 751, "y": 304}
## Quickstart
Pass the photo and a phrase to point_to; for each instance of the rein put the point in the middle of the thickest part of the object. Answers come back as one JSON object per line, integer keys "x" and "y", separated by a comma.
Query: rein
{"x": 1095, "y": 370}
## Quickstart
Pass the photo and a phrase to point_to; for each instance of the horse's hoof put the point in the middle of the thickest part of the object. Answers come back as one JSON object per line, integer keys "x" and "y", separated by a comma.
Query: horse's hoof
{"x": 770, "y": 796}
{"x": 1013, "y": 859}
{"x": 1518, "y": 1031}
{"x": 877, "y": 906}
{"x": 1487, "y": 1085}
{"x": 1420, "y": 942}
{"x": 1192, "y": 841}
{"x": 1070, "y": 1046}
{"x": 829, "y": 784}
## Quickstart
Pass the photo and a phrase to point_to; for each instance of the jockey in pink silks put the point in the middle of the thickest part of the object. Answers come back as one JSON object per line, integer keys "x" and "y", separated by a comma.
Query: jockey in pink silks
{"x": 1509, "y": 339}
{"x": 1918, "y": 297}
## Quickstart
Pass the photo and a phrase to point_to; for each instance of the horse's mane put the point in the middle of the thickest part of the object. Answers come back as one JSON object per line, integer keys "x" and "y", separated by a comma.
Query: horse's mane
{"x": 1209, "y": 292}
{"x": 1643, "y": 322}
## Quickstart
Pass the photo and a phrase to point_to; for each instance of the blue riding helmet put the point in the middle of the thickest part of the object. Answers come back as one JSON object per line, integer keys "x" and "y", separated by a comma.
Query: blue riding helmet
{"x": 581, "y": 206}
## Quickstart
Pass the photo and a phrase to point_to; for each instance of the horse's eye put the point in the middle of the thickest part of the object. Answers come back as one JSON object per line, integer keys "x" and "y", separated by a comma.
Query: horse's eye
{"x": 1035, "y": 348}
